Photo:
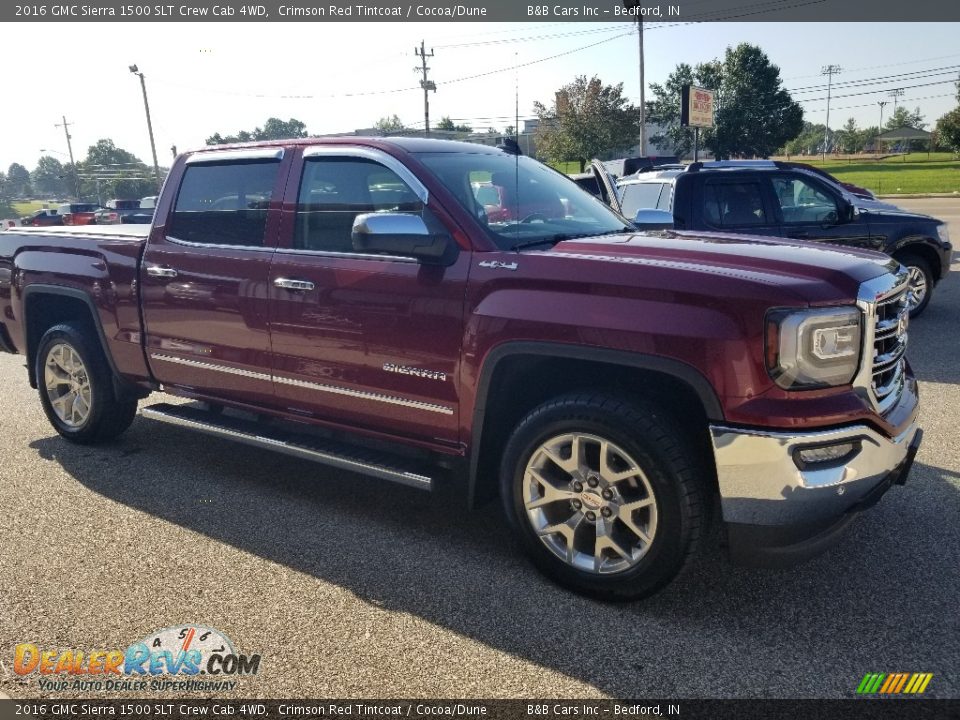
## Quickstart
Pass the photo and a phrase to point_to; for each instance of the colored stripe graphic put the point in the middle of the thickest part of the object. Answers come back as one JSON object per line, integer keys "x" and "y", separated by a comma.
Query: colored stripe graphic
{"x": 894, "y": 683}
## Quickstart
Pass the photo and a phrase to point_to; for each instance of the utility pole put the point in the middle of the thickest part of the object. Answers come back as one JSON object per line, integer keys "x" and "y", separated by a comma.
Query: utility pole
{"x": 425, "y": 83}
{"x": 895, "y": 94}
{"x": 643, "y": 104}
{"x": 66, "y": 131}
{"x": 881, "y": 103}
{"x": 829, "y": 71}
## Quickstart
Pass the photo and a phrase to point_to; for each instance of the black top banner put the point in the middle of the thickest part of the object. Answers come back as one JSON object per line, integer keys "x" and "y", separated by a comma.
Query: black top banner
{"x": 625, "y": 11}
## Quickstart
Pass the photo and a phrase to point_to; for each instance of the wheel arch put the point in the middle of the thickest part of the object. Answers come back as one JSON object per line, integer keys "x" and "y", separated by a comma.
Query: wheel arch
{"x": 529, "y": 373}
{"x": 925, "y": 250}
{"x": 47, "y": 305}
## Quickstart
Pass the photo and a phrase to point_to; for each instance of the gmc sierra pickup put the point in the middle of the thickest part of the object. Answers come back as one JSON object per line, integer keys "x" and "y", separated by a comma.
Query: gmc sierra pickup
{"x": 350, "y": 301}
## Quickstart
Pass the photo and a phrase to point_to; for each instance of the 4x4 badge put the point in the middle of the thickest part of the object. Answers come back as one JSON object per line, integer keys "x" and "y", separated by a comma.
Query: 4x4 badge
{"x": 497, "y": 265}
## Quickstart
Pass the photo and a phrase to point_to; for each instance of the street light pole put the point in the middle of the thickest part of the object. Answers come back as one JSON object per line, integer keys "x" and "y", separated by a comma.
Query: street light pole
{"x": 643, "y": 104}
{"x": 146, "y": 106}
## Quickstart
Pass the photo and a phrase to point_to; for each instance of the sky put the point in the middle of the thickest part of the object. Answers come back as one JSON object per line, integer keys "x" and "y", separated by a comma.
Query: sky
{"x": 204, "y": 78}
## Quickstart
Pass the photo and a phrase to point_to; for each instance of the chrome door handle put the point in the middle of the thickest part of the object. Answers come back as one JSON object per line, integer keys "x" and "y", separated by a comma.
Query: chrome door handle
{"x": 161, "y": 272}
{"x": 288, "y": 284}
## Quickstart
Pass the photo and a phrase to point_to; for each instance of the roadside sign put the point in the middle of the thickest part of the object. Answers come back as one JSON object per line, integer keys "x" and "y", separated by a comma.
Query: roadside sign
{"x": 696, "y": 106}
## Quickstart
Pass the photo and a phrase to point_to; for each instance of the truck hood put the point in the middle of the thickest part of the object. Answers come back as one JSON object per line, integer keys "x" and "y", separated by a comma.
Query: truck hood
{"x": 810, "y": 271}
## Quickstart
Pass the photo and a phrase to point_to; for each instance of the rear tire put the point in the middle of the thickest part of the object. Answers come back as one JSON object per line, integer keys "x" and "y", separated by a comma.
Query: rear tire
{"x": 76, "y": 387}
{"x": 618, "y": 517}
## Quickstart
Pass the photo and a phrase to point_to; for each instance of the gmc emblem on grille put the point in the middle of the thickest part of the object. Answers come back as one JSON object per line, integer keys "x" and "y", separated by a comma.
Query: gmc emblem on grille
{"x": 902, "y": 322}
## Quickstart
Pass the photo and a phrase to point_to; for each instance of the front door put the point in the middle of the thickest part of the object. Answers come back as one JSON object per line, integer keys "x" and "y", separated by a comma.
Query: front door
{"x": 364, "y": 340}
{"x": 205, "y": 274}
{"x": 809, "y": 211}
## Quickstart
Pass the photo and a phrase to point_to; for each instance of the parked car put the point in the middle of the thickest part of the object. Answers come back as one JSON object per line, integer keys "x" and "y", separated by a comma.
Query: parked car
{"x": 42, "y": 218}
{"x": 778, "y": 199}
{"x": 144, "y": 213}
{"x": 78, "y": 213}
{"x": 617, "y": 389}
{"x": 106, "y": 216}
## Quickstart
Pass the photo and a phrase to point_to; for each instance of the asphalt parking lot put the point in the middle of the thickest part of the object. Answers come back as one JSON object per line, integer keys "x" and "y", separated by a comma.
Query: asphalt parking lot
{"x": 352, "y": 587}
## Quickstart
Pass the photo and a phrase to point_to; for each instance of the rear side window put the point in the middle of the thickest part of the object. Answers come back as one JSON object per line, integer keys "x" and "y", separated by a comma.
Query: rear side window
{"x": 334, "y": 191}
{"x": 224, "y": 203}
{"x": 640, "y": 196}
{"x": 732, "y": 204}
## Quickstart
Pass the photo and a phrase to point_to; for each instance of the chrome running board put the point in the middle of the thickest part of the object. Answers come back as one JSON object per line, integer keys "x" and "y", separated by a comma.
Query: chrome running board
{"x": 327, "y": 452}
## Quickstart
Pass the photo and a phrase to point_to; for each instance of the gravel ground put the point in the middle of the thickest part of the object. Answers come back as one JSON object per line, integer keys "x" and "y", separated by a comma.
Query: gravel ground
{"x": 350, "y": 587}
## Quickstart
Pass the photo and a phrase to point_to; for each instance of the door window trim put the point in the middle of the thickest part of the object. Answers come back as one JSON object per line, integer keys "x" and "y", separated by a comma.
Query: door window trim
{"x": 365, "y": 153}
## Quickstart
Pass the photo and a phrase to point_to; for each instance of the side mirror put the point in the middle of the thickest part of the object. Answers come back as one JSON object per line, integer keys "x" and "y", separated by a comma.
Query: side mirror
{"x": 402, "y": 235}
{"x": 653, "y": 220}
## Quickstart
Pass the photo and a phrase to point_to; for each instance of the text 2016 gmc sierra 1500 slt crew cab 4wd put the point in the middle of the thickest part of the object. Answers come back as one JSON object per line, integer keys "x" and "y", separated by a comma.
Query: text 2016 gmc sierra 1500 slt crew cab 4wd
{"x": 351, "y": 302}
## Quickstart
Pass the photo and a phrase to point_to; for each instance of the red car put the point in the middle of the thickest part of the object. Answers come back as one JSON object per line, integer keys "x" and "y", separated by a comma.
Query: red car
{"x": 42, "y": 218}
{"x": 79, "y": 213}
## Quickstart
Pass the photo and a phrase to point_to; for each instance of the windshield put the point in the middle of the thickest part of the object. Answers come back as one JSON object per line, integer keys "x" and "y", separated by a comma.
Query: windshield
{"x": 520, "y": 201}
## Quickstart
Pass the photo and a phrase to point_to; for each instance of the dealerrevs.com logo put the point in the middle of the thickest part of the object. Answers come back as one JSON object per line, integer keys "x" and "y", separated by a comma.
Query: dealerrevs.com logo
{"x": 182, "y": 658}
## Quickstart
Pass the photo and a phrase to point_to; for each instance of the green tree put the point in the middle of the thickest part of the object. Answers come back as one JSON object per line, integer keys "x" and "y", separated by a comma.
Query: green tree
{"x": 849, "y": 138}
{"x": 273, "y": 129}
{"x": 586, "y": 120}
{"x": 447, "y": 124}
{"x": 948, "y": 130}
{"x": 664, "y": 110}
{"x": 509, "y": 130}
{"x": 112, "y": 172}
{"x": 808, "y": 141}
{"x": 755, "y": 115}
{"x": 903, "y": 118}
{"x": 18, "y": 180}
{"x": 6, "y": 198}
{"x": 49, "y": 177}
{"x": 389, "y": 124}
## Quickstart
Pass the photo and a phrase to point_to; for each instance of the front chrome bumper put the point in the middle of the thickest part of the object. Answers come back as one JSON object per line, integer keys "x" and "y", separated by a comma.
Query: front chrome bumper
{"x": 761, "y": 483}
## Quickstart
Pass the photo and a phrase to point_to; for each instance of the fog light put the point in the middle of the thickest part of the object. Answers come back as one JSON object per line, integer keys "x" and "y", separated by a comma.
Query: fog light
{"x": 825, "y": 454}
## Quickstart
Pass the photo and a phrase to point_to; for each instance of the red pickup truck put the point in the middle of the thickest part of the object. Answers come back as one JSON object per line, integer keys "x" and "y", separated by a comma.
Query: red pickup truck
{"x": 349, "y": 301}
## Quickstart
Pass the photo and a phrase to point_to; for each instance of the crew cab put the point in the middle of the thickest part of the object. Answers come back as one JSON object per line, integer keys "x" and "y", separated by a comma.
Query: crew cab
{"x": 785, "y": 200}
{"x": 350, "y": 301}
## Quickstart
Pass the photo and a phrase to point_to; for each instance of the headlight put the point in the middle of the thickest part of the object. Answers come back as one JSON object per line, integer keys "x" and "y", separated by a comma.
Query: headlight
{"x": 813, "y": 348}
{"x": 943, "y": 232}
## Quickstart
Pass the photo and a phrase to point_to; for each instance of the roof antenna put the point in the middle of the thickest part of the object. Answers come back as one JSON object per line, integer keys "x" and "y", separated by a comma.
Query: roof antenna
{"x": 516, "y": 143}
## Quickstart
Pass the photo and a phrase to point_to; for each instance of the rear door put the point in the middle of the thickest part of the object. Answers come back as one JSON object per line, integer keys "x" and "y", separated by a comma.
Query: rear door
{"x": 364, "y": 340}
{"x": 736, "y": 202}
{"x": 607, "y": 183}
{"x": 205, "y": 276}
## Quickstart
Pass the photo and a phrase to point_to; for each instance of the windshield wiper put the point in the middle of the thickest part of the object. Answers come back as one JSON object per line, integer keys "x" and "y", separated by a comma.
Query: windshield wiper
{"x": 560, "y": 237}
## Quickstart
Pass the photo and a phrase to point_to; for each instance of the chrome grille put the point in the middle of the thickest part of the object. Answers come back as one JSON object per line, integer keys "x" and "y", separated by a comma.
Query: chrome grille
{"x": 887, "y": 317}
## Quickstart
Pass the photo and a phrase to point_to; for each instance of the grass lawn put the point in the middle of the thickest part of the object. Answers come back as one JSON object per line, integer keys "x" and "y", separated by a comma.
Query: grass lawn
{"x": 913, "y": 173}
{"x": 892, "y": 175}
{"x": 28, "y": 206}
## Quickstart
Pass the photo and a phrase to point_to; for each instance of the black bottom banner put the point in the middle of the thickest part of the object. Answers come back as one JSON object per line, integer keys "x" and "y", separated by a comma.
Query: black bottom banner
{"x": 475, "y": 709}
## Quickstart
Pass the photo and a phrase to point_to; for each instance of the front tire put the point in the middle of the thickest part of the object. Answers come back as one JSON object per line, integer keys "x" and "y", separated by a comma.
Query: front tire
{"x": 76, "y": 387}
{"x": 603, "y": 495}
{"x": 921, "y": 283}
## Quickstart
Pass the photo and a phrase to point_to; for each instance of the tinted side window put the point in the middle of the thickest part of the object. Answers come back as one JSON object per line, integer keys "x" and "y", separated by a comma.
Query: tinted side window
{"x": 733, "y": 204}
{"x": 640, "y": 196}
{"x": 803, "y": 202}
{"x": 224, "y": 203}
{"x": 333, "y": 191}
